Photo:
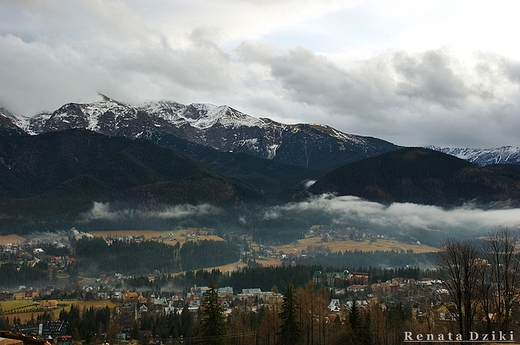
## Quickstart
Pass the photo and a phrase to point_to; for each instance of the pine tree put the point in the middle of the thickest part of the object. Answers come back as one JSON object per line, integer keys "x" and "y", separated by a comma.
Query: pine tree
{"x": 213, "y": 326}
{"x": 354, "y": 317}
{"x": 356, "y": 324}
{"x": 290, "y": 332}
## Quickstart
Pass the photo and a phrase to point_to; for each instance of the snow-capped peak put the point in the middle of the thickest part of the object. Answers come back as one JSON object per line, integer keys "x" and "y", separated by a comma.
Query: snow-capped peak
{"x": 482, "y": 157}
{"x": 221, "y": 127}
{"x": 200, "y": 115}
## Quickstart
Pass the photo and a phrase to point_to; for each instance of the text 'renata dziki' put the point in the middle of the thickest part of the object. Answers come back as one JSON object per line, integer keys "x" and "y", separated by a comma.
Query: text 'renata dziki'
{"x": 500, "y": 336}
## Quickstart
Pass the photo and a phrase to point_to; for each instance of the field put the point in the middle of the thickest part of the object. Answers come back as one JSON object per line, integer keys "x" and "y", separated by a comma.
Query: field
{"x": 170, "y": 237}
{"x": 33, "y": 310}
{"x": 234, "y": 266}
{"x": 14, "y": 239}
{"x": 269, "y": 262}
{"x": 341, "y": 246}
{"x": 364, "y": 246}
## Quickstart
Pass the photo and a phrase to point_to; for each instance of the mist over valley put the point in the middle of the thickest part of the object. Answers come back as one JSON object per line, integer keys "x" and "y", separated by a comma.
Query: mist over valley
{"x": 64, "y": 178}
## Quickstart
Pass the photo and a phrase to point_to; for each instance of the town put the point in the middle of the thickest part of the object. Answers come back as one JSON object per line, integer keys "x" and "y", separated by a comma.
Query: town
{"x": 55, "y": 304}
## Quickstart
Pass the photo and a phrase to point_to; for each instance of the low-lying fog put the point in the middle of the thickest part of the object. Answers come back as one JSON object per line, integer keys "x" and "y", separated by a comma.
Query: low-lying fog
{"x": 428, "y": 224}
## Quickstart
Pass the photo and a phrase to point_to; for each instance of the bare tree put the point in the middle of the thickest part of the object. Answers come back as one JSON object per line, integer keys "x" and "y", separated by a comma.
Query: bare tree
{"x": 504, "y": 267}
{"x": 460, "y": 267}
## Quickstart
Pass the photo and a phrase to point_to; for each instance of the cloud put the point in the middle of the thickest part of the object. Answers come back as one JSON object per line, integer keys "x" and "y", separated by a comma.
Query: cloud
{"x": 428, "y": 224}
{"x": 430, "y": 77}
{"x": 390, "y": 80}
{"x": 104, "y": 211}
{"x": 396, "y": 95}
{"x": 348, "y": 210}
{"x": 395, "y": 72}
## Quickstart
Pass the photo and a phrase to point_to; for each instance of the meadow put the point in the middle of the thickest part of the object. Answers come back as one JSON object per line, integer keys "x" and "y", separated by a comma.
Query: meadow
{"x": 29, "y": 309}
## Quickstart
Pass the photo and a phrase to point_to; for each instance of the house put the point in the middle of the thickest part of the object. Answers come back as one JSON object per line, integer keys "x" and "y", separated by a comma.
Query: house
{"x": 331, "y": 278}
{"x": 143, "y": 309}
{"x": 227, "y": 290}
{"x": 360, "y": 304}
{"x": 64, "y": 340}
{"x": 334, "y": 305}
{"x": 356, "y": 288}
{"x": 49, "y": 304}
{"x": 359, "y": 277}
{"x": 251, "y": 292}
{"x": 130, "y": 297}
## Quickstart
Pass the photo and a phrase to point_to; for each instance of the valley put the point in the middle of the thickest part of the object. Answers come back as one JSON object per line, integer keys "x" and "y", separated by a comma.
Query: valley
{"x": 119, "y": 219}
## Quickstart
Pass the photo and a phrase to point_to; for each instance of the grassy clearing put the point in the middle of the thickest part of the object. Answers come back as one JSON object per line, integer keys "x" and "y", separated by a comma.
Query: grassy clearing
{"x": 7, "y": 306}
{"x": 170, "y": 237}
{"x": 34, "y": 310}
{"x": 364, "y": 246}
{"x": 14, "y": 239}
{"x": 234, "y": 266}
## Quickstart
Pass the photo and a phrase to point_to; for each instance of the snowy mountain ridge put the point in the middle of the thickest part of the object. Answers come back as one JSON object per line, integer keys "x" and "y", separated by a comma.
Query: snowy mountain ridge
{"x": 220, "y": 127}
{"x": 229, "y": 130}
{"x": 482, "y": 157}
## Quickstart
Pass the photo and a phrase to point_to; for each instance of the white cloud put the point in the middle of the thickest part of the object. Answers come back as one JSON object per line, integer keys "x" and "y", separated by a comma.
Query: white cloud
{"x": 103, "y": 211}
{"x": 398, "y": 216}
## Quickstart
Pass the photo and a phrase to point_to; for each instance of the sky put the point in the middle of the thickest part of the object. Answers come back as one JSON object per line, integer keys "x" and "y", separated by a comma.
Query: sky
{"x": 414, "y": 73}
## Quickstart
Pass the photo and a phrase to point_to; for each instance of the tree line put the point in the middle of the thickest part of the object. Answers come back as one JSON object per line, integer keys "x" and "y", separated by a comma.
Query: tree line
{"x": 265, "y": 278}
{"x": 147, "y": 256}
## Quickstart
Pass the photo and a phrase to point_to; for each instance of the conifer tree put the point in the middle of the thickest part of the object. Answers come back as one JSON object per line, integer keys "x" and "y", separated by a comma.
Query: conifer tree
{"x": 290, "y": 332}
{"x": 213, "y": 326}
{"x": 354, "y": 317}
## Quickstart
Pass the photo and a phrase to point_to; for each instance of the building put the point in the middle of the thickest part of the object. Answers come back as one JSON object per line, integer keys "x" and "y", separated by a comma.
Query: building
{"x": 331, "y": 278}
{"x": 52, "y": 329}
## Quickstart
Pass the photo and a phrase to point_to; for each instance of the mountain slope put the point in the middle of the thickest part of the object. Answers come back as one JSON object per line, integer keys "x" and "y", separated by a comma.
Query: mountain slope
{"x": 420, "y": 176}
{"x": 220, "y": 127}
{"x": 7, "y": 126}
{"x": 275, "y": 180}
{"x": 483, "y": 157}
{"x": 63, "y": 173}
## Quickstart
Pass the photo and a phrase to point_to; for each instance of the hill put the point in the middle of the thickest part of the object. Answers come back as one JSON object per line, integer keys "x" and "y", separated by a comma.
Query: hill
{"x": 423, "y": 176}
{"x": 277, "y": 181}
{"x": 61, "y": 174}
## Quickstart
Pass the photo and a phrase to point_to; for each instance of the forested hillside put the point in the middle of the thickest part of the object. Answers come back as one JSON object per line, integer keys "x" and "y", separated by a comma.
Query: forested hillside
{"x": 48, "y": 181}
{"x": 421, "y": 176}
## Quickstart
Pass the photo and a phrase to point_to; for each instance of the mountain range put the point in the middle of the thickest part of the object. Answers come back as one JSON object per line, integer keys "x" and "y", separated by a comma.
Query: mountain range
{"x": 56, "y": 165}
{"x": 220, "y": 127}
{"x": 483, "y": 157}
{"x": 226, "y": 129}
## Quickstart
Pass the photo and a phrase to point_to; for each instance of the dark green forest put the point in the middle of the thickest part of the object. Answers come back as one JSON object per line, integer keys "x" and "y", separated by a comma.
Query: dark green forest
{"x": 23, "y": 273}
{"x": 95, "y": 255}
